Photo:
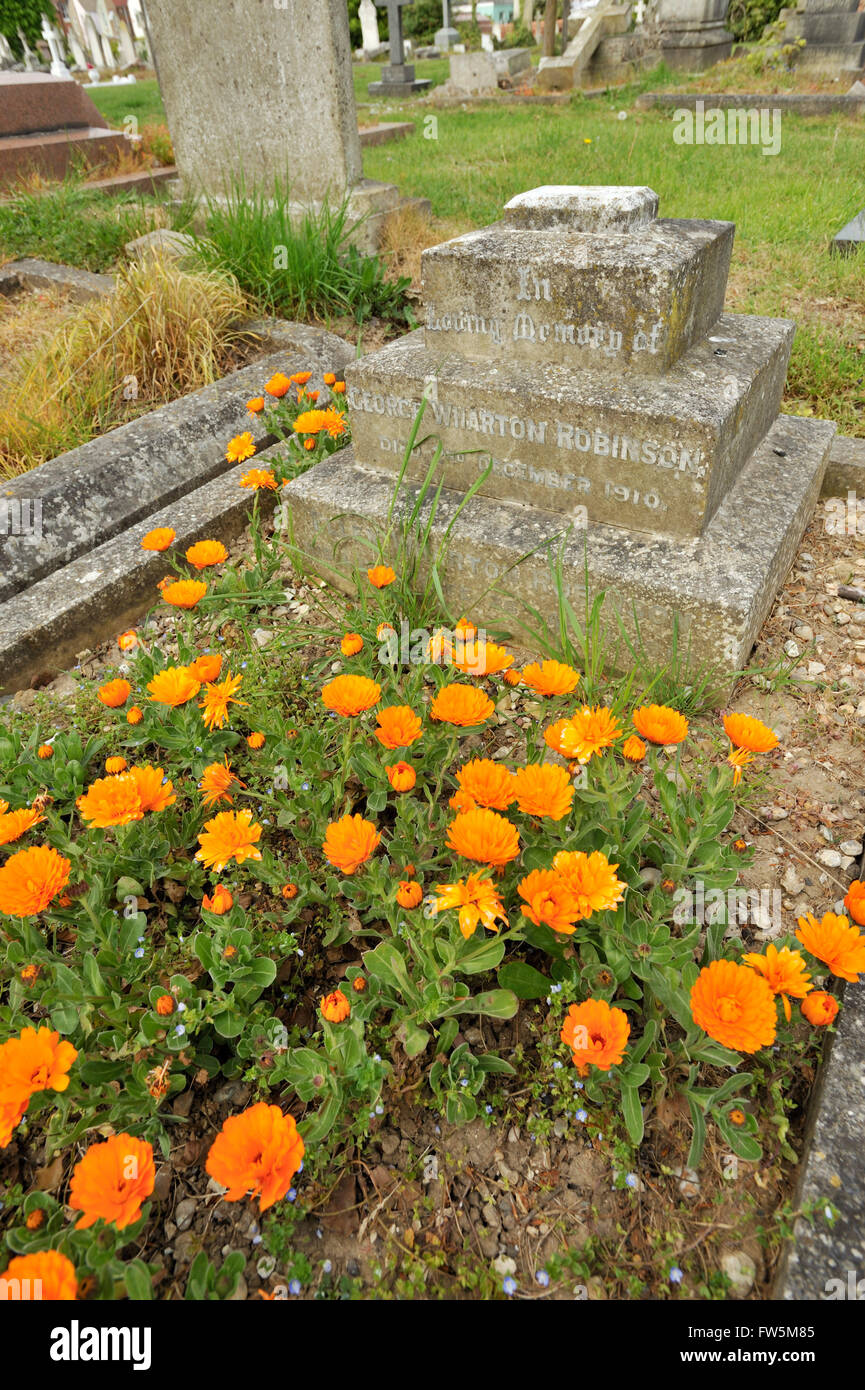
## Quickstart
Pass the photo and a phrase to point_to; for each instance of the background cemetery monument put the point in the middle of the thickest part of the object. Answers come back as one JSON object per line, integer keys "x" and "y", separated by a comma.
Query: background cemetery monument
{"x": 580, "y": 352}
{"x": 834, "y": 36}
{"x": 271, "y": 100}
{"x": 397, "y": 77}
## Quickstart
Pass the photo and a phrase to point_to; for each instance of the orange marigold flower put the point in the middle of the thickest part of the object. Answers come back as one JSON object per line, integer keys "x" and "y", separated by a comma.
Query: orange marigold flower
{"x": 596, "y": 1034}
{"x": 310, "y": 422}
{"x": 380, "y": 575}
{"x": 240, "y": 448}
{"x": 461, "y": 705}
{"x": 173, "y": 686}
{"x": 255, "y": 740}
{"x": 115, "y": 765}
{"x": 206, "y": 668}
{"x": 220, "y": 902}
{"x": 217, "y": 697}
{"x": 205, "y": 553}
{"x": 784, "y": 972}
{"x": 349, "y": 842}
{"x": 307, "y": 444}
{"x": 634, "y": 749}
{"x": 820, "y": 1008}
{"x": 112, "y": 1181}
{"x": 165, "y": 1006}
{"x": 734, "y": 1005}
{"x": 751, "y": 734}
{"x": 339, "y": 388}
{"x": 351, "y": 644}
{"x": 114, "y": 693}
{"x": 358, "y": 984}
{"x": 256, "y": 405}
{"x": 587, "y": 733}
{"x": 334, "y": 421}
{"x": 409, "y": 893}
{"x": 45, "y": 751}
{"x": 134, "y": 715}
{"x": 543, "y": 789}
{"x": 591, "y": 878}
{"x": 160, "y": 539}
{"x": 35, "y": 1219}
{"x": 487, "y": 783}
{"x": 110, "y": 801}
{"x": 549, "y": 900}
{"x": 35, "y": 1060}
{"x": 128, "y": 641}
{"x": 14, "y": 824}
{"x": 259, "y": 478}
{"x": 484, "y": 836}
{"x": 351, "y": 695}
{"x": 256, "y": 1153}
{"x": 11, "y": 1116}
{"x": 301, "y": 378}
{"x": 461, "y": 801}
{"x": 739, "y": 758}
{"x": 476, "y": 900}
{"x": 398, "y": 726}
{"x": 216, "y": 781}
{"x": 30, "y": 879}
{"x": 855, "y": 902}
{"x": 476, "y": 658}
{"x": 48, "y": 1270}
{"x": 30, "y": 974}
{"x": 513, "y": 677}
{"x": 335, "y": 1007}
{"x": 835, "y": 942}
{"x": 155, "y": 792}
{"x": 660, "y": 724}
{"x": 279, "y": 385}
{"x": 550, "y": 677}
{"x": 329, "y": 378}
{"x": 401, "y": 776}
{"x": 184, "y": 593}
{"x": 230, "y": 835}
{"x": 737, "y": 1116}
{"x": 289, "y": 891}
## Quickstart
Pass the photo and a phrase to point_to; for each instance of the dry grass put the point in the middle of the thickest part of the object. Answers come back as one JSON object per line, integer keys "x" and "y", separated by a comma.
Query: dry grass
{"x": 163, "y": 332}
{"x": 405, "y": 235}
{"x": 27, "y": 318}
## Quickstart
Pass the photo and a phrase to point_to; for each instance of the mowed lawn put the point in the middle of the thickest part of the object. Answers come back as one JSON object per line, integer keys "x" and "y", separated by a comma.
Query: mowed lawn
{"x": 470, "y": 160}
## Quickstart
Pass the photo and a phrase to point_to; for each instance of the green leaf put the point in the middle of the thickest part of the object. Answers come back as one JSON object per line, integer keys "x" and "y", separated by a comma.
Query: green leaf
{"x": 262, "y": 972}
{"x": 633, "y": 1113}
{"x": 139, "y": 1285}
{"x": 524, "y": 981}
{"x": 415, "y": 1040}
{"x": 228, "y": 1024}
{"x": 484, "y": 956}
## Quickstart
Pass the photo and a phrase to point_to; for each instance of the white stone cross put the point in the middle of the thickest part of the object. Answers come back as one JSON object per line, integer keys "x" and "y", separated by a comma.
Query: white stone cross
{"x": 640, "y": 10}
{"x": 394, "y": 21}
{"x": 55, "y": 48}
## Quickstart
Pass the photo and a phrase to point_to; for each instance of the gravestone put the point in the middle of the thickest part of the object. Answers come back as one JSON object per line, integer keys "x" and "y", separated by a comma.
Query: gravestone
{"x": 562, "y": 73}
{"x": 397, "y": 76}
{"x": 55, "y": 48}
{"x": 371, "y": 44}
{"x": 834, "y": 35}
{"x": 48, "y": 123}
{"x": 446, "y": 36}
{"x": 472, "y": 74}
{"x": 691, "y": 33}
{"x": 268, "y": 100}
{"x": 576, "y": 359}
{"x": 850, "y": 238}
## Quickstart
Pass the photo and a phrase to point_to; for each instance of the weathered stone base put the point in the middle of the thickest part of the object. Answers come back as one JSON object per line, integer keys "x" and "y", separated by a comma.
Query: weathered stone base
{"x": 399, "y": 89}
{"x": 720, "y": 587}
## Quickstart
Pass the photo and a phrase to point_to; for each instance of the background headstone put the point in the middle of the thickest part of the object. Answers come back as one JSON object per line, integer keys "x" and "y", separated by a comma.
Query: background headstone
{"x": 48, "y": 123}
{"x": 446, "y": 36}
{"x": 397, "y": 77}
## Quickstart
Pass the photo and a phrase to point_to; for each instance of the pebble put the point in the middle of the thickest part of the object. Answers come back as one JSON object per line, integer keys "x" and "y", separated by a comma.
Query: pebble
{"x": 815, "y": 668}
{"x": 741, "y": 1271}
{"x": 853, "y": 847}
{"x": 830, "y": 858}
{"x": 803, "y": 632}
{"x": 504, "y": 1265}
{"x": 185, "y": 1213}
{"x": 261, "y": 637}
{"x": 791, "y": 881}
{"x": 792, "y": 649}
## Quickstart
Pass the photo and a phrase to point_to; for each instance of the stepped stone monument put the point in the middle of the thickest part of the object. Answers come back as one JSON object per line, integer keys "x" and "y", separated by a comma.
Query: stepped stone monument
{"x": 398, "y": 79}
{"x": 49, "y": 122}
{"x": 273, "y": 99}
{"x": 562, "y": 73}
{"x": 691, "y": 33}
{"x": 580, "y": 352}
{"x": 834, "y": 35}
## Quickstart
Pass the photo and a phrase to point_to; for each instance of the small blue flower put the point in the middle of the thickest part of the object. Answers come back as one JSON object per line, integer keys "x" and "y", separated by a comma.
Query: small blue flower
{"x": 555, "y": 989}
{"x": 509, "y": 1286}
{"x": 295, "y": 1285}
{"x": 300, "y": 1167}
{"x": 464, "y": 1082}
{"x": 582, "y": 1116}
{"x": 632, "y": 1180}
{"x": 180, "y": 1030}
{"x": 181, "y": 1008}
{"x": 676, "y": 1275}
{"x": 299, "y": 951}
{"x": 138, "y": 954}
{"x": 256, "y": 1240}
{"x": 292, "y": 1194}
{"x": 305, "y": 786}
{"x": 489, "y": 1109}
{"x": 578, "y": 1085}
{"x": 327, "y": 1266}
{"x": 141, "y": 938}
{"x": 379, "y": 1109}
{"x": 543, "y": 1278}
{"x": 557, "y": 1066}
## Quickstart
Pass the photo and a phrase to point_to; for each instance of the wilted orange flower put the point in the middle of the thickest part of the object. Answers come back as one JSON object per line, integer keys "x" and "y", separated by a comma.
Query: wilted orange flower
{"x": 351, "y": 644}
{"x": 820, "y": 1008}
{"x": 634, "y": 749}
{"x": 289, "y": 891}
{"x": 173, "y": 686}
{"x": 351, "y": 695}
{"x": 184, "y": 593}
{"x": 334, "y": 420}
{"x": 835, "y": 942}
{"x": 11, "y": 1116}
{"x": 35, "y": 1060}
{"x": 401, "y": 776}
{"x": 335, "y": 1007}
{"x": 45, "y": 751}
{"x": 476, "y": 900}
{"x": 745, "y": 732}
{"x": 784, "y": 972}
{"x": 240, "y": 448}
{"x": 14, "y": 824}
{"x": 481, "y": 658}
{"x": 112, "y": 1181}
{"x": 30, "y": 974}
{"x": 165, "y": 1006}
{"x": 549, "y": 900}
{"x": 398, "y": 726}
{"x": 349, "y": 842}
{"x": 739, "y": 758}
{"x": 660, "y": 724}
{"x": 550, "y": 677}
{"x": 591, "y": 878}
{"x": 206, "y": 553}
{"x": 260, "y": 478}
{"x": 48, "y": 1270}
{"x": 255, "y": 740}
{"x": 155, "y": 792}
{"x": 409, "y": 893}
{"x": 128, "y": 641}
{"x": 35, "y": 1219}
{"x": 134, "y": 715}
{"x": 487, "y": 783}
{"x": 461, "y": 705}
{"x": 220, "y": 902}
{"x": 256, "y": 405}
{"x": 543, "y": 789}
{"x": 384, "y": 631}
{"x": 596, "y": 1034}
{"x": 279, "y": 385}
{"x": 206, "y": 668}
{"x": 380, "y": 576}
{"x": 160, "y": 539}
{"x": 587, "y": 733}
{"x": 358, "y": 984}
{"x": 484, "y": 836}
{"x": 216, "y": 780}
{"x": 30, "y": 879}
{"x": 734, "y": 1005}
{"x": 256, "y": 1153}
{"x": 855, "y": 902}
{"x": 217, "y": 697}
{"x": 230, "y": 835}
{"x": 114, "y": 693}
